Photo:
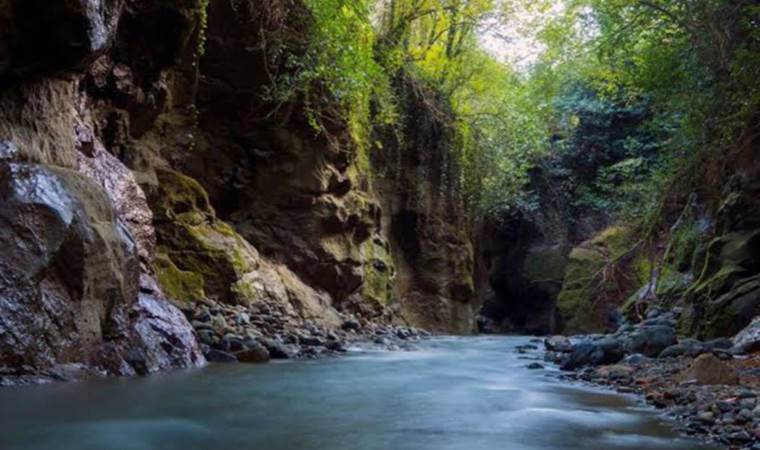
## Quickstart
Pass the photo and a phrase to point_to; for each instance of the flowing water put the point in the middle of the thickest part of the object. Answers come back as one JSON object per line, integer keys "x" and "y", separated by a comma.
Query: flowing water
{"x": 452, "y": 394}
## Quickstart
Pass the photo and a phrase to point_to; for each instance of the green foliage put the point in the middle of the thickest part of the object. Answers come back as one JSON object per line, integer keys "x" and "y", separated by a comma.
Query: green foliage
{"x": 496, "y": 133}
{"x": 625, "y": 90}
{"x": 337, "y": 77}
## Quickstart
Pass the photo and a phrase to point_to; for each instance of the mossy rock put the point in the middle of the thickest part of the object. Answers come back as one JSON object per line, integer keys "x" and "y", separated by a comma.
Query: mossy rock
{"x": 575, "y": 302}
{"x": 588, "y": 297}
{"x": 178, "y": 284}
{"x": 726, "y": 296}
{"x": 734, "y": 310}
{"x": 203, "y": 253}
{"x": 379, "y": 271}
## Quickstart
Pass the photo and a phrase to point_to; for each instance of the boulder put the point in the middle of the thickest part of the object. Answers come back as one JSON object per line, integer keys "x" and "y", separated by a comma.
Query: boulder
{"x": 255, "y": 354}
{"x": 164, "y": 332}
{"x": 277, "y": 349}
{"x": 748, "y": 340}
{"x": 588, "y": 302}
{"x": 650, "y": 340}
{"x": 66, "y": 266}
{"x": 220, "y": 356}
{"x": 689, "y": 347}
{"x": 594, "y": 353}
{"x": 708, "y": 369}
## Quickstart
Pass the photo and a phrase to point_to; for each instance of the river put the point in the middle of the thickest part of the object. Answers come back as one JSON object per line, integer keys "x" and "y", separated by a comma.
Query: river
{"x": 451, "y": 394}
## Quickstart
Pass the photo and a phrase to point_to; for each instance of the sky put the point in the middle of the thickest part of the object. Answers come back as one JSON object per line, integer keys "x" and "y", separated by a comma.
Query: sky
{"x": 513, "y": 37}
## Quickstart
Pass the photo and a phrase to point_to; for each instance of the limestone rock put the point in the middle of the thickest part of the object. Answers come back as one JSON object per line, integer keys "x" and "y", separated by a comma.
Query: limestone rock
{"x": 708, "y": 369}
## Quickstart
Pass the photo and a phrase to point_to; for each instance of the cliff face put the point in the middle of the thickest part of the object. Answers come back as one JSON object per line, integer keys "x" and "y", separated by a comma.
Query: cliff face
{"x": 78, "y": 296}
{"x": 139, "y": 174}
{"x": 424, "y": 218}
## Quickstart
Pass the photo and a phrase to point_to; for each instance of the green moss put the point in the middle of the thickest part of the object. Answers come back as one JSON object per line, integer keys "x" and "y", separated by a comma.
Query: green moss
{"x": 598, "y": 276}
{"x": 179, "y": 197}
{"x": 379, "y": 272}
{"x": 197, "y": 243}
{"x": 178, "y": 284}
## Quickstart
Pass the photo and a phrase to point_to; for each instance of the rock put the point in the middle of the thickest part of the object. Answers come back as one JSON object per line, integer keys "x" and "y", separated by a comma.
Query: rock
{"x": 748, "y": 340}
{"x": 706, "y": 417}
{"x": 689, "y": 347}
{"x": 615, "y": 372}
{"x": 336, "y": 346}
{"x": 351, "y": 325}
{"x": 207, "y": 337}
{"x": 69, "y": 273}
{"x": 559, "y": 344}
{"x": 719, "y": 344}
{"x": 535, "y": 366}
{"x": 220, "y": 356}
{"x": 311, "y": 341}
{"x": 232, "y": 342}
{"x": 76, "y": 31}
{"x": 650, "y": 340}
{"x": 673, "y": 351}
{"x": 277, "y": 349}
{"x": 255, "y": 354}
{"x": 578, "y": 303}
{"x": 727, "y": 297}
{"x": 9, "y": 152}
{"x": 708, "y": 369}
{"x": 164, "y": 333}
{"x": 592, "y": 353}
{"x": 635, "y": 359}
{"x": 127, "y": 198}
{"x": 219, "y": 323}
{"x": 242, "y": 319}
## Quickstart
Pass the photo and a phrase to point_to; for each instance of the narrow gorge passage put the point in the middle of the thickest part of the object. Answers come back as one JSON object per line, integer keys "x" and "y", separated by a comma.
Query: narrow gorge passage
{"x": 449, "y": 394}
{"x": 379, "y": 224}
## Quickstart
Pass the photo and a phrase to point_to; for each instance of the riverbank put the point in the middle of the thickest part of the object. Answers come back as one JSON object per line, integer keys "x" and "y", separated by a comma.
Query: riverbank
{"x": 238, "y": 333}
{"x": 267, "y": 330}
{"x": 711, "y": 389}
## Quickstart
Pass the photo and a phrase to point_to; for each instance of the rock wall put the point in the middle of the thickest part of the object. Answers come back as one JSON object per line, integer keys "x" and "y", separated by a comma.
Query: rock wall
{"x": 424, "y": 218}
{"x": 146, "y": 180}
{"x": 77, "y": 297}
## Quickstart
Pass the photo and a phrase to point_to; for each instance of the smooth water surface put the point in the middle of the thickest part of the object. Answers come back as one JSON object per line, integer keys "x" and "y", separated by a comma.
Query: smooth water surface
{"x": 453, "y": 394}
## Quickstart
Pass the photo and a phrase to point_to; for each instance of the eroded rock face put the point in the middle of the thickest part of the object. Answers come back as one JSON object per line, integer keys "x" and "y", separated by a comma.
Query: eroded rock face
{"x": 425, "y": 221}
{"x": 296, "y": 197}
{"x": 726, "y": 297}
{"x": 70, "y": 291}
{"x": 78, "y": 297}
{"x": 67, "y": 263}
{"x": 40, "y": 37}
